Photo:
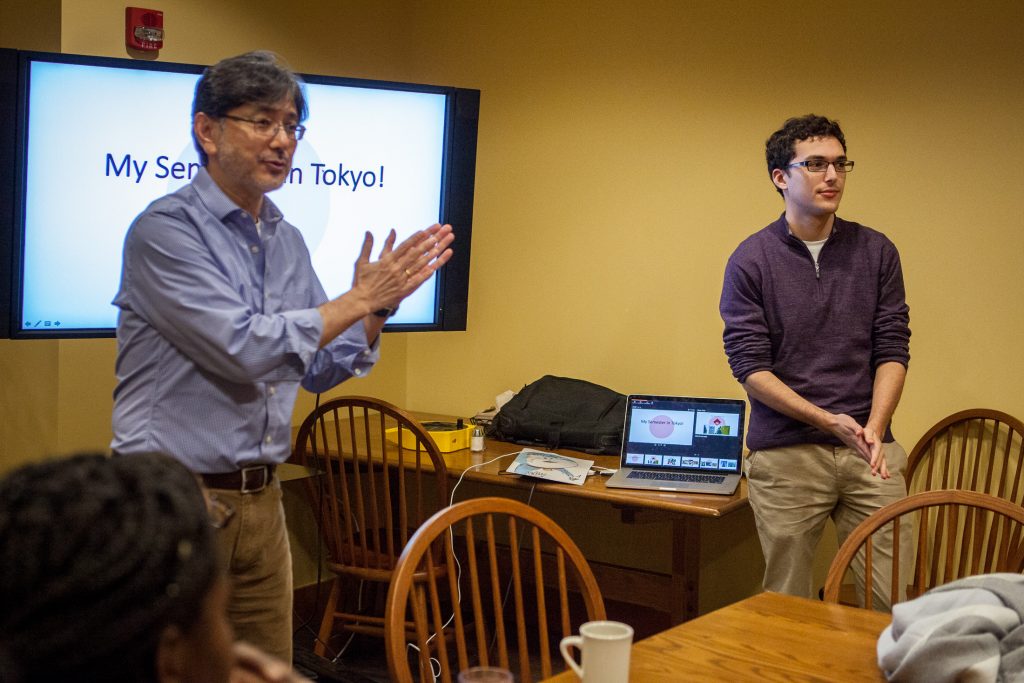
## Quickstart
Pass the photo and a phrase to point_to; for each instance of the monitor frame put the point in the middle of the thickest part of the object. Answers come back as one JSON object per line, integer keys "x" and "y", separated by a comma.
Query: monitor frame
{"x": 462, "y": 107}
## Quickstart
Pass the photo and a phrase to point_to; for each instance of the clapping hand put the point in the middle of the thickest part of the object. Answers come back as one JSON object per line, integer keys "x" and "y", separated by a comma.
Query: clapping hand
{"x": 400, "y": 270}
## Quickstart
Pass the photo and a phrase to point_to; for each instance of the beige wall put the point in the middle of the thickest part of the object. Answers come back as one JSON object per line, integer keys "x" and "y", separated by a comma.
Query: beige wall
{"x": 30, "y": 24}
{"x": 619, "y": 155}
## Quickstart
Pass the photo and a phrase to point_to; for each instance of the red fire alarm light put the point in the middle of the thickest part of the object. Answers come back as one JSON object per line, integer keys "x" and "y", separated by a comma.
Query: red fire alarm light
{"x": 143, "y": 28}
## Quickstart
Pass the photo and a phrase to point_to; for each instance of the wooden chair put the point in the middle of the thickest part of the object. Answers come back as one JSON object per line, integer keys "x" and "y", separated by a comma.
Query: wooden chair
{"x": 977, "y": 450}
{"x": 485, "y": 602}
{"x": 958, "y": 533}
{"x": 372, "y": 497}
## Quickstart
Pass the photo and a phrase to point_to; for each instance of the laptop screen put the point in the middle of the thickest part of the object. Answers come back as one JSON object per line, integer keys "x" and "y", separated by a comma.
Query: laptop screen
{"x": 680, "y": 433}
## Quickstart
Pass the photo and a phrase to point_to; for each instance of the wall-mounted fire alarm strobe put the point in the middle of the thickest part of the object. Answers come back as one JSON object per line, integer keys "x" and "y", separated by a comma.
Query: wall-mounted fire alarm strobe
{"x": 143, "y": 28}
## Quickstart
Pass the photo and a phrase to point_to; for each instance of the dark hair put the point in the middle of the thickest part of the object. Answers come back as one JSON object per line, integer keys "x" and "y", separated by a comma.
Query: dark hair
{"x": 779, "y": 150}
{"x": 98, "y": 556}
{"x": 259, "y": 77}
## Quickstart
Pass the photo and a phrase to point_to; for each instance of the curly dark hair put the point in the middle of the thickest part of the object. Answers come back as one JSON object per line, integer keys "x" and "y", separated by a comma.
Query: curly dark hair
{"x": 98, "y": 556}
{"x": 780, "y": 146}
{"x": 259, "y": 77}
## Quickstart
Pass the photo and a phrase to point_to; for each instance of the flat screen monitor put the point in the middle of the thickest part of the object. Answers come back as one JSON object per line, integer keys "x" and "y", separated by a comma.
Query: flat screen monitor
{"x": 89, "y": 142}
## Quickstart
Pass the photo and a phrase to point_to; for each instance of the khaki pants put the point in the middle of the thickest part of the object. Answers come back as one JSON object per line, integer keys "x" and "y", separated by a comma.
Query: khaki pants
{"x": 795, "y": 489}
{"x": 255, "y": 546}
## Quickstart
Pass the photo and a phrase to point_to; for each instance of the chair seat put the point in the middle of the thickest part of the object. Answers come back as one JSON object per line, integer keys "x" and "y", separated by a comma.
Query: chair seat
{"x": 373, "y": 574}
{"x": 367, "y": 559}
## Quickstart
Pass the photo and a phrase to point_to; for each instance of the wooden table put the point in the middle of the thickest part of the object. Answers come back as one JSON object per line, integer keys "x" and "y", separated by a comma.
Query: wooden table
{"x": 675, "y": 592}
{"x": 767, "y": 637}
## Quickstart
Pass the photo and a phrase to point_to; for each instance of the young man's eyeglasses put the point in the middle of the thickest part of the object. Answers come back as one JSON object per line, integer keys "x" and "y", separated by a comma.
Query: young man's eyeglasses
{"x": 265, "y": 128}
{"x": 821, "y": 165}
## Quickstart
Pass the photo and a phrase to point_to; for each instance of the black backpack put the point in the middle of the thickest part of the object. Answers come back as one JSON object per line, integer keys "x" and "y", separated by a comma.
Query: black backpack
{"x": 561, "y": 412}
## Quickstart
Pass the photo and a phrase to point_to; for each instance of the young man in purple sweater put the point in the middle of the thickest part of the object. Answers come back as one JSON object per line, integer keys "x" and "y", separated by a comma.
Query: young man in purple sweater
{"x": 816, "y": 330}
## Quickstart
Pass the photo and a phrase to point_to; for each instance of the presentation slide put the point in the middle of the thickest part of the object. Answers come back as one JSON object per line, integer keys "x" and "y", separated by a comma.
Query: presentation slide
{"x": 105, "y": 142}
{"x": 717, "y": 424}
{"x": 661, "y": 427}
{"x": 634, "y": 458}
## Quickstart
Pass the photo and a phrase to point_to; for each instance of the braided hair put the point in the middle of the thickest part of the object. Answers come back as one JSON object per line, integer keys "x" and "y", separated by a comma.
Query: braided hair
{"x": 98, "y": 556}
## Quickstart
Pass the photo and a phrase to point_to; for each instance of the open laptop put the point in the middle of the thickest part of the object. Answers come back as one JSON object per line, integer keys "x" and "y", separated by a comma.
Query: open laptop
{"x": 675, "y": 443}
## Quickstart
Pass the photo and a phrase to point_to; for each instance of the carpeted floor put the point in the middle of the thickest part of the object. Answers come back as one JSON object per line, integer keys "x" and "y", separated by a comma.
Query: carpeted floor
{"x": 364, "y": 661}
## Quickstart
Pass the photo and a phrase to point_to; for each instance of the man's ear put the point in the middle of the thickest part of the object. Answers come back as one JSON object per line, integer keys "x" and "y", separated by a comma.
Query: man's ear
{"x": 780, "y": 179}
{"x": 207, "y": 131}
{"x": 171, "y": 652}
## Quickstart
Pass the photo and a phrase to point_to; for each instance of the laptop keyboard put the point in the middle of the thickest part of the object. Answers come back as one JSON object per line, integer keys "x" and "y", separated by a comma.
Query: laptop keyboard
{"x": 678, "y": 476}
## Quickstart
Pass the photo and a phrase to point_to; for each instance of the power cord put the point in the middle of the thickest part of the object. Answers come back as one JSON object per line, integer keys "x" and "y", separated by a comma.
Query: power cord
{"x": 435, "y": 665}
{"x": 451, "y": 498}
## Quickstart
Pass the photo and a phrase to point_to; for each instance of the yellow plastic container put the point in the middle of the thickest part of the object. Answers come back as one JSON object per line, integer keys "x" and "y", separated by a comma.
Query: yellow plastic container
{"x": 447, "y": 440}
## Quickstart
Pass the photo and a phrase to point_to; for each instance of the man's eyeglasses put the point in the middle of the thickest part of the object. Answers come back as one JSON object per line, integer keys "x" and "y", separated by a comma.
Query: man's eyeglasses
{"x": 821, "y": 165}
{"x": 265, "y": 128}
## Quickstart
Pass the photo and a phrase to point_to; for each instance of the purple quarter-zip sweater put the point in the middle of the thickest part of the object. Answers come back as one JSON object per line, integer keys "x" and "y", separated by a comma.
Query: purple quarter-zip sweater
{"x": 822, "y": 333}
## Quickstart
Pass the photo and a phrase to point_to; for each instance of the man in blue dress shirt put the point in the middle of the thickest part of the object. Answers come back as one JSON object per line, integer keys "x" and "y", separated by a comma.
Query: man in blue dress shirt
{"x": 222, "y": 318}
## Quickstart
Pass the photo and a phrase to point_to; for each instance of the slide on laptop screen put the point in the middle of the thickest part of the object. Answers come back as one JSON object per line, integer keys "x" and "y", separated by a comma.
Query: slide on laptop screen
{"x": 678, "y": 443}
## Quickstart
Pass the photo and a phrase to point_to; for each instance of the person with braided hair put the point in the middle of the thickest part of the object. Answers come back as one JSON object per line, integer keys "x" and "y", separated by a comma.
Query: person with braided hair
{"x": 109, "y": 572}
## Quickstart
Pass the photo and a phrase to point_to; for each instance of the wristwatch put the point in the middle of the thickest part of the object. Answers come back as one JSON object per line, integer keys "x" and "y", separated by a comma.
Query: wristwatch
{"x": 386, "y": 312}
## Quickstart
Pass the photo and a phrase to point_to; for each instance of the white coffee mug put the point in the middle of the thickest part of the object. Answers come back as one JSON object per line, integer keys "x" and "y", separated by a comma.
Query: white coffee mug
{"x": 605, "y": 646}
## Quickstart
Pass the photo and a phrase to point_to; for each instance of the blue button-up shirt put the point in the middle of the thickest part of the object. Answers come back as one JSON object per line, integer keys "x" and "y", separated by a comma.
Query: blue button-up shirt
{"x": 217, "y": 329}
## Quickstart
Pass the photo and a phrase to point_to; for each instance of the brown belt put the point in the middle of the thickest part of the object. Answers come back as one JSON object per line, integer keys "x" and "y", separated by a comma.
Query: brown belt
{"x": 247, "y": 480}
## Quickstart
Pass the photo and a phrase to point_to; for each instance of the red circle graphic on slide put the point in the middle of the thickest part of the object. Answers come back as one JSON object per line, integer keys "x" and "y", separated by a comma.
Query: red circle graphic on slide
{"x": 661, "y": 426}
